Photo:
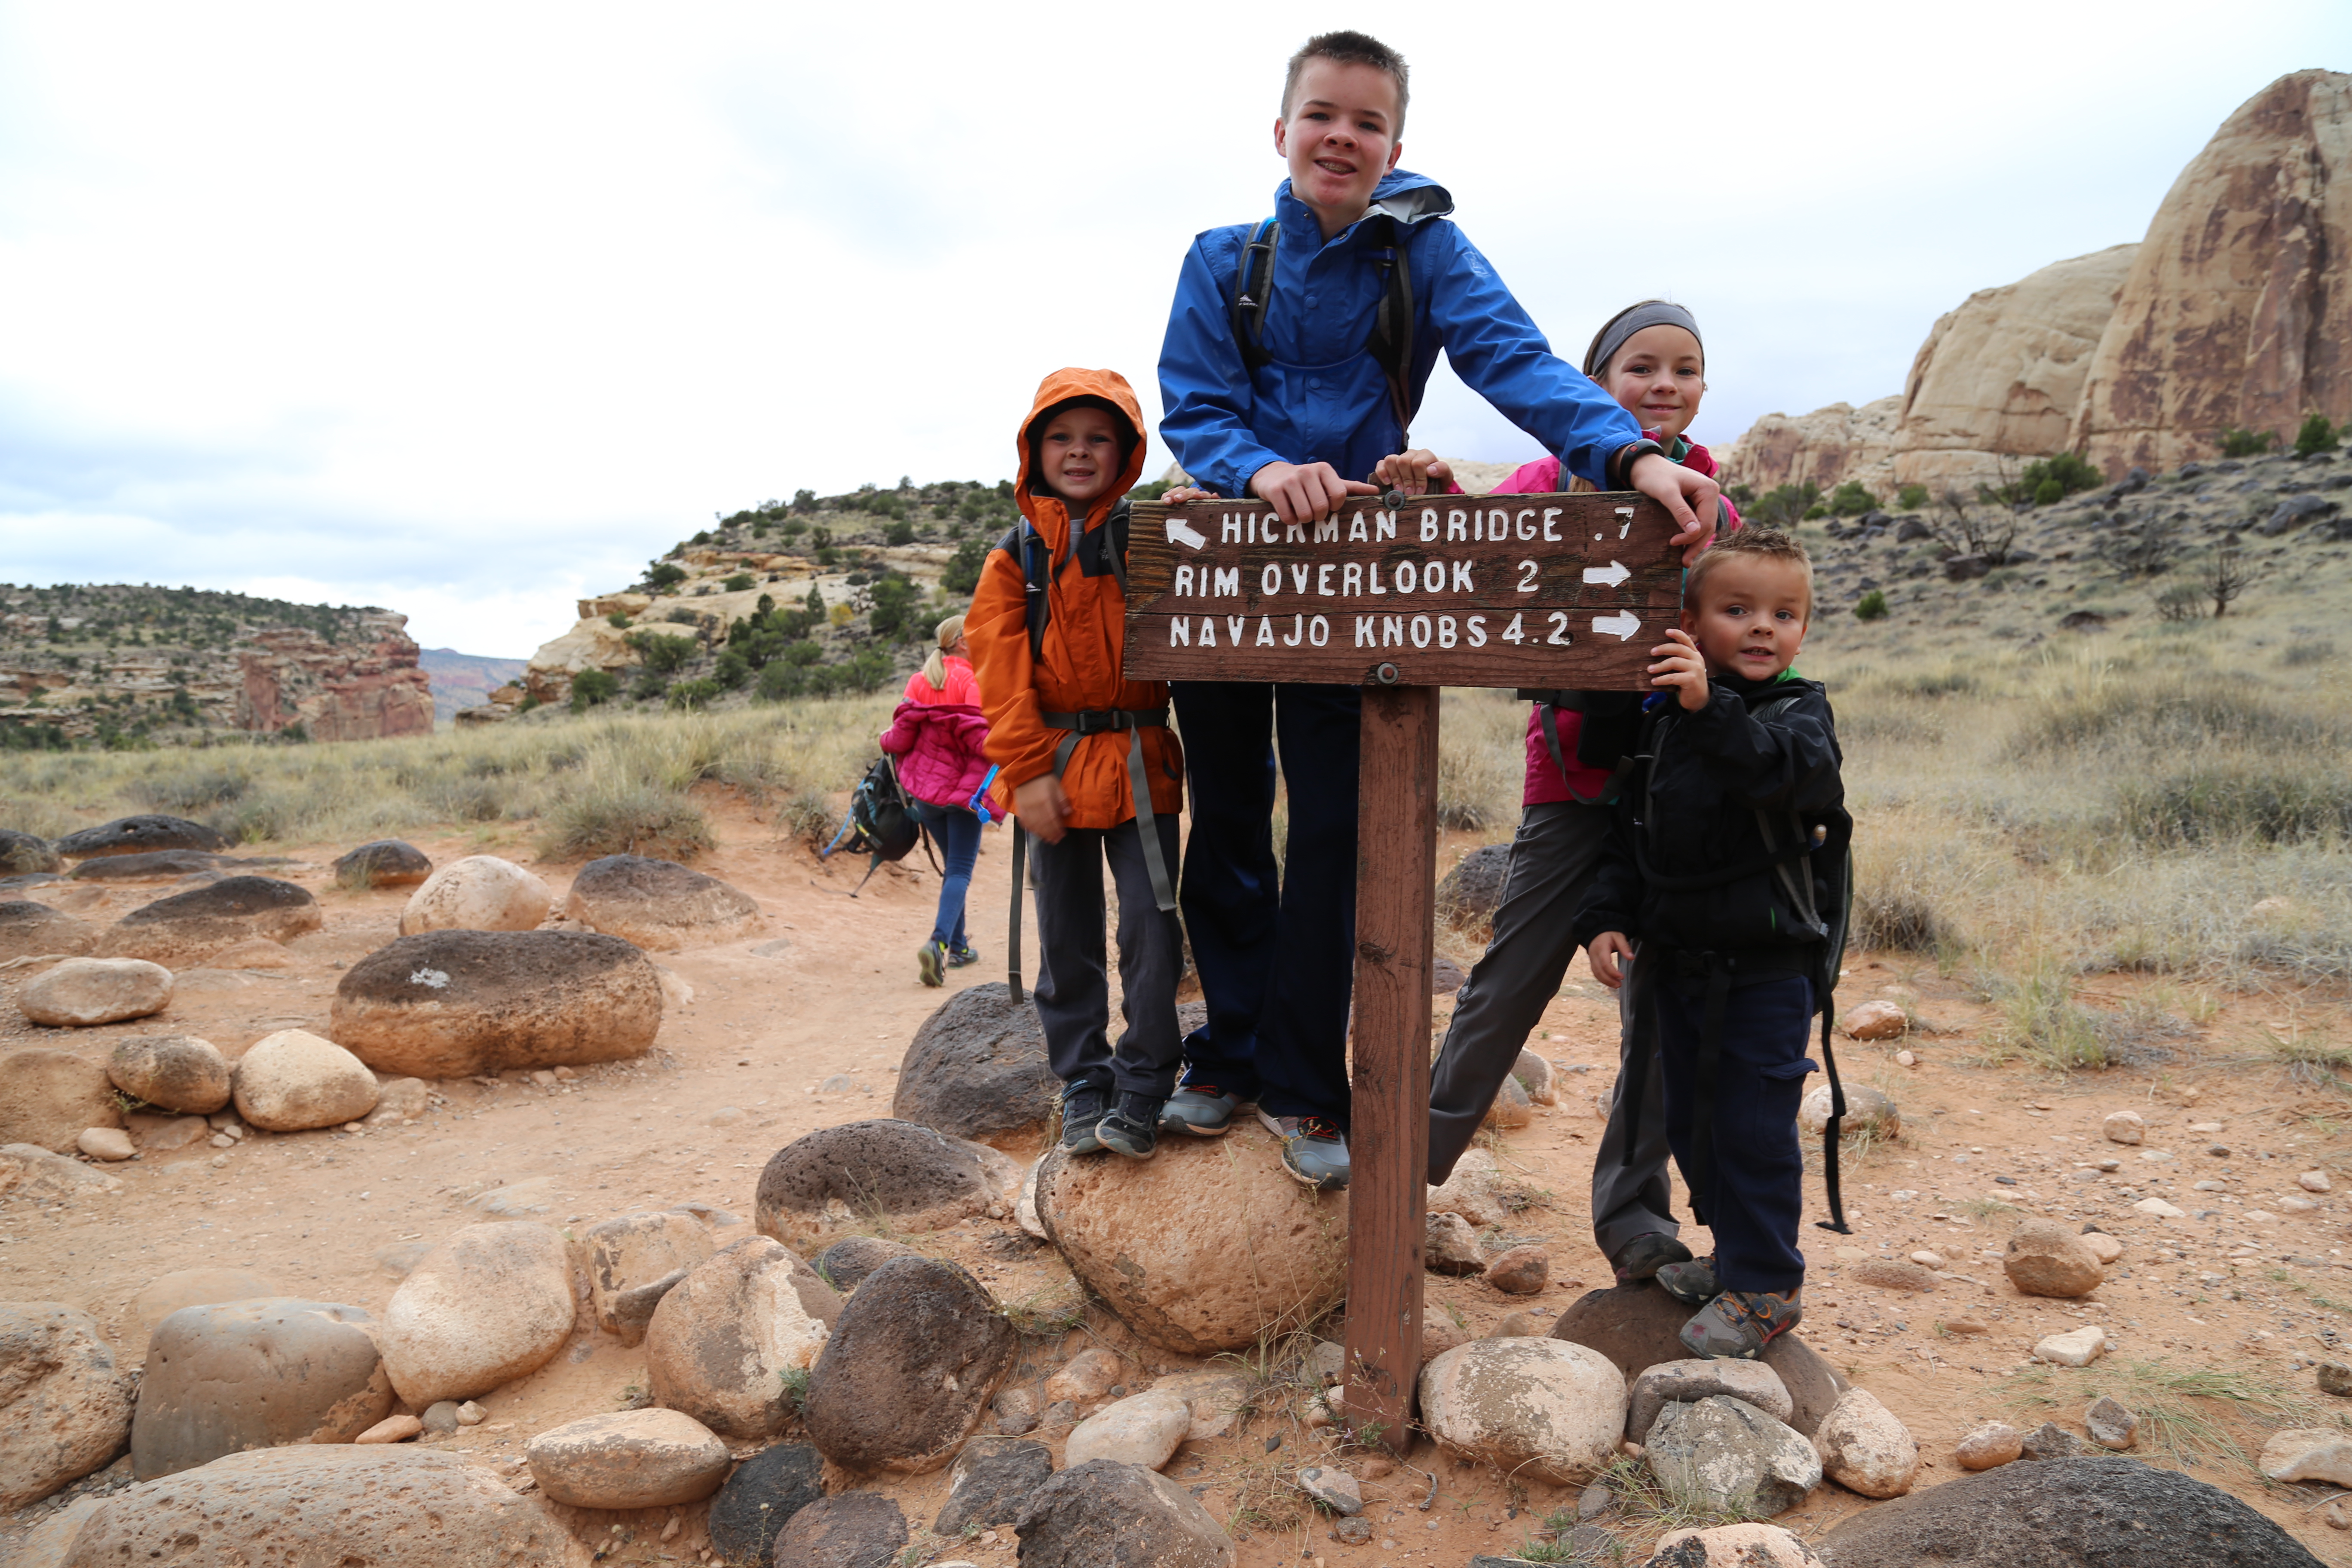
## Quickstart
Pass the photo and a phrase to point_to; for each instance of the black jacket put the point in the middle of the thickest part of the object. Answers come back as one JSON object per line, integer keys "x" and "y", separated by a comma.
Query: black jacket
{"x": 1688, "y": 865}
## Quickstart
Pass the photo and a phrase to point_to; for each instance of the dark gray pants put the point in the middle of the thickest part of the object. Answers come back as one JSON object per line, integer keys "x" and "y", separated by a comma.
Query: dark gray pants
{"x": 1073, "y": 986}
{"x": 1552, "y": 856}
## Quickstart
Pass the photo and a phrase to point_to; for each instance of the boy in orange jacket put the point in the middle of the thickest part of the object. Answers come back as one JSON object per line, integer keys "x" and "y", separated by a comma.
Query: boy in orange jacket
{"x": 1085, "y": 757}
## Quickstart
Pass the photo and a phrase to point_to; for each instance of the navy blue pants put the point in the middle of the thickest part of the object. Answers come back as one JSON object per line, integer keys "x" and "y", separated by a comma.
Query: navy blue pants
{"x": 1755, "y": 1195}
{"x": 1276, "y": 947}
{"x": 958, "y": 832}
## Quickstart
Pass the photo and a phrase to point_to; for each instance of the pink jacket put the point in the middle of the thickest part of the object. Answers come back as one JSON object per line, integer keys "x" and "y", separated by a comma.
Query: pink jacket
{"x": 937, "y": 734}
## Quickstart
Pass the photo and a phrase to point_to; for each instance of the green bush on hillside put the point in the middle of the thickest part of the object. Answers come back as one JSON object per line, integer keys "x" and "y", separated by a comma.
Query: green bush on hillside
{"x": 2316, "y": 436}
{"x": 1911, "y": 498}
{"x": 662, "y": 653}
{"x": 741, "y": 583}
{"x": 1850, "y": 499}
{"x": 962, "y": 573}
{"x": 1785, "y": 506}
{"x": 1871, "y": 607}
{"x": 2056, "y": 478}
{"x": 591, "y": 686}
{"x": 661, "y": 574}
{"x": 895, "y": 598}
{"x": 899, "y": 533}
{"x": 2237, "y": 441}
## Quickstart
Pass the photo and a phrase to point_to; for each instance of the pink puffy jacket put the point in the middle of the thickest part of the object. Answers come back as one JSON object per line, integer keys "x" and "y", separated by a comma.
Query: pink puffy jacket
{"x": 937, "y": 733}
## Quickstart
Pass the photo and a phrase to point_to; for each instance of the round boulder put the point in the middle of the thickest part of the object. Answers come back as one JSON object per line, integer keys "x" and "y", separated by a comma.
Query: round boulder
{"x": 918, "y": 1178}
{"x": 490, "y": 1304}
{"x": 137, "y": 836}
{"x": 452, "y": 1003}
{"x": 29, "y": 930}
{"x": 67, "y": 1410}
{"x": 847, "y": 1262}
{"x": 1471, "y": 892}
{"x": 1723, "y": 1454}
{"x": 658, "y": 904}
{"x": 1554, "y": 1409}
{"x": 27, "y": 854}
{"x": 2045, "y": 1258}
{"x": 188, "y": 928}
{"x": 319, "y": 1503}
{"x": 636, "y": 1260}
{"x": 81, "y": 992}
{"x": 848, "y": 1530}
{"x": 765, "y": 1490}
{"x": 1635, "y": 1327}
{"x": 1865, "y": 1449}
{"x": 48, "y": 1097}
{"x": 178, "y": 1072}
{"x": 977, "y": 1069}
{"x": 909, "y": 1368}
{"x": 481, "y": 892}
{"x": 724, "y": 1339}
{"x": 382, "y": 863}
{"x": 635, "y": 1458}
{"x": 1104, "y": 1514}
{"x": 293, "y": 1081}
{"x": 1204, "y": 1247}
{"x": 200, "y": 1287}
{"x": 151, "y": 866}
{"x": 1866, "y": 1108}
{"x": 255, "y": 1374}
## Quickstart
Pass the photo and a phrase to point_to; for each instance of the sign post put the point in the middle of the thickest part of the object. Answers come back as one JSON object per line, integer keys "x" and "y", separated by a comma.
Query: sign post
{"x": 1541, "y": 592}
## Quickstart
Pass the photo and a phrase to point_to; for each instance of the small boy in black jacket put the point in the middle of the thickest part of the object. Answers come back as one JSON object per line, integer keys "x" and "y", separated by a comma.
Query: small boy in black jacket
{"x": 1717, "y": 870}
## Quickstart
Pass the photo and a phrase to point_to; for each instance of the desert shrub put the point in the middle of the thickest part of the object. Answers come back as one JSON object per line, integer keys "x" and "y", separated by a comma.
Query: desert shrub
{"x": 2286, "y": 802}
{"x": 2181, "y": 602}
{"x": 661, "y": 574}
{"x": 1850, "y": 499}
{"x": 612, "y": 814}
{"x": 1481, "y": 760}
{"x": 617, "y": 619}
{"x": 741, "y": 583}
{"x": 2172, "y": 716}
{"x": 2237, "y": 441}
{"x": 591, "y": 686}
{"x": 182, "y": 793}
{"x": 694, "y": 695}
{"x": 1787, "y": 505}
{"x": 2049, "y": 491}
{"x": 894, "y": 597}
{"x": 1911, "y": 498}
{"x": 732, "y": 670}
{"x": 1871, "y": 607}
{"x": 1895, "y": 919}
{"x": 649, "y": 684}
{"x": 899, "y": 533}
{"x": 962, "y": 573}
{"x": 663, "y": 654}
{"x": 2316, "y": 436}
{"x": 2066, "y": 471}
{"x": 2308, "y": 650}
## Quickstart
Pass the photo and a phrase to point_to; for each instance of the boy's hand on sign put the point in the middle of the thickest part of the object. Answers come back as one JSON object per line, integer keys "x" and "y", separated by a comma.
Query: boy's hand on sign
{"x": 1607, "y": 955}
{"x": 1688, "y": 496}
{"x": 1182, "y": 493}
{"x": 1302, "y": 494}
{"x": 1682, "y": 669}
{"x": 1416, "y": 473}
{"x": 1043, "y": 808}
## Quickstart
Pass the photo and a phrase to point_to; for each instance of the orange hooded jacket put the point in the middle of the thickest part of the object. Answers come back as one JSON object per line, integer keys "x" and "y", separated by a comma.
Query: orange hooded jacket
{"x": 1084, "y": 627}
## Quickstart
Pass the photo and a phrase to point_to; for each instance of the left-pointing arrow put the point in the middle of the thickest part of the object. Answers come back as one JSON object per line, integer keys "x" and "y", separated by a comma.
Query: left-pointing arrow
{"x": 1624, "y": 623}
{"x": 1180, "y": 532}
{"x": 1610, "y": 575}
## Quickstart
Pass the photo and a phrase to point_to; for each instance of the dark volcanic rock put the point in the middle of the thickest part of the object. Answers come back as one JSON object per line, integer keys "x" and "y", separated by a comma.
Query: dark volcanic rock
{"x": 28, "y": 928}
{"x": 150, "y": 866}
{"x": 134, "y": 834}
{"x": 658, "y": 904}
{"x": 977, "y": 1069}
{"x": 993, "y": 1482}
{"x": 22, "y": 854}
{"x": 1635, "y": 1325}
{"x": 853, "y": 1530}
{"x": 920, "y": 1178}
{"x": 188, "y": 927}
{"x": 2063, "y": 1514}
{"x": 1470, "y": 893}
{"x": 1104, "y": 1514}
{"x": 449, "y": 1003}
{"x": 765, "y": 1490}
{"x": 909, "y": 1368}
{"x": 848, "y": 1261}
{"x": 384, "y": 863}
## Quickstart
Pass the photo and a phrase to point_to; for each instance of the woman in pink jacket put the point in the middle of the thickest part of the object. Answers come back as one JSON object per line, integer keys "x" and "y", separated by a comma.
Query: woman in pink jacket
{"x": 937, "y": 735}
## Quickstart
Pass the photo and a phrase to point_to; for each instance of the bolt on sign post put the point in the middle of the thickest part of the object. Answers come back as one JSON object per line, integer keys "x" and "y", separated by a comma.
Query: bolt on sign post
{"x": 1399, "y": 597}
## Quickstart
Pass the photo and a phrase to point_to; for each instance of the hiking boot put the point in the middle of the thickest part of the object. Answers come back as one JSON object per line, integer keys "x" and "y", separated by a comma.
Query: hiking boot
{"x": 1738, "y": 1324}
{"x": 1312, "y": 1150}
{"x": 1133, "y": 1129}
{"x": 1647, "y": 1253}
{"x": 1201, "y": 1109}
{"x": 930, "y": 960}
{"x": 1082, "y": 1105}
{"x": 962, "y": 957}
{"x": 1692, "y": 1283}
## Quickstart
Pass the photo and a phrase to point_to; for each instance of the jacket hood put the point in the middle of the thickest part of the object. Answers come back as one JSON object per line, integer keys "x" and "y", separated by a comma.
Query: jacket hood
{"x": 1407, "y": 197}
{"x": 1057, "y": 389}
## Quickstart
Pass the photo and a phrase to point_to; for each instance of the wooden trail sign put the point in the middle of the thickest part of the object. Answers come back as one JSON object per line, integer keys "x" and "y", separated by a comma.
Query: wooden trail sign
{"x": 1545, "y": 592}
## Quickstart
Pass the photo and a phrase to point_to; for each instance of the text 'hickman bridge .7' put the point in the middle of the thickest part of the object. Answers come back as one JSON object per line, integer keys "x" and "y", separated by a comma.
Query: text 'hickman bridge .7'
{"x": 1518, "y": 591}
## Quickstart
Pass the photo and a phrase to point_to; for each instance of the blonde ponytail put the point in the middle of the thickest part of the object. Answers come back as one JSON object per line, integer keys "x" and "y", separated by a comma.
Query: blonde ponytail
{"x": 935, "y": 668}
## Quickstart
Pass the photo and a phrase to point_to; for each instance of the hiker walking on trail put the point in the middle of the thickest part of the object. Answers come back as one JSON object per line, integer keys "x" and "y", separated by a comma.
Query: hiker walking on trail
{"x": 938, "y": 734}
{"x": 1086, "y": 759}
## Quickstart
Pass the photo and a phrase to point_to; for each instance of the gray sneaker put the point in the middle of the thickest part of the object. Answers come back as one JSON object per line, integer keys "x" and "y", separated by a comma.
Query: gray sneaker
{"x": 1201, "y": 1109}
{"x": 1083, "y": 1107}
{"x": 1132, "y": 1129}
{"x": 1312, "y": 1150}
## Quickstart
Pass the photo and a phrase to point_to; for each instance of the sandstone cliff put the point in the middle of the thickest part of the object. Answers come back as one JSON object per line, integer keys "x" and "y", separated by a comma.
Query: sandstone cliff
{"x": 1825, "y": 447}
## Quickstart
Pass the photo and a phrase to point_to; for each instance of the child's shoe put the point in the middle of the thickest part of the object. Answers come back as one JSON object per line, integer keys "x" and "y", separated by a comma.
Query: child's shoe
{"x": 1738, "y": 1324}
{"x": 1201, "y": 1109}
{"x": 962, "y": 957}
{"x": 1312, "y": 1150}
{"x": 1642, "y": 1256}
{"x": 1133, "y": 1129}
{"x": 1082, "y": 1105}
{"x": 1691, "y": 1281}
{"x": 930, "y": 959}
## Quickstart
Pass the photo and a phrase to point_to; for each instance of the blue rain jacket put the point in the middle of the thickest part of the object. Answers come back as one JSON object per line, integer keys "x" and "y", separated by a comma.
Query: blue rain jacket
{"x": 1322, "y": 398}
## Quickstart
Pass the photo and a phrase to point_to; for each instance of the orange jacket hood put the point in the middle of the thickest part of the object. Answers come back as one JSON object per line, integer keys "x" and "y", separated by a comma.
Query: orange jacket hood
{"x": 1057, "y": 389}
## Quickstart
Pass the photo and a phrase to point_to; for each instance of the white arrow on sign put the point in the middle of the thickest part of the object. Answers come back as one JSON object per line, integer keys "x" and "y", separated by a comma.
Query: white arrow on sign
{"x": 1609, "y": 575}
{"x": 1624, "y": 623}
{"x": 1181, "y": 532}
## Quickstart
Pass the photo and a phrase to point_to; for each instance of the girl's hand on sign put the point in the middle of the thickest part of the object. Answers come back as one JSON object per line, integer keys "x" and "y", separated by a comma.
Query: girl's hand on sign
{"x": 1043, "y": 808}
{"x": 1682, "y": 669}
{"x": 1302, "y": 494}
{"x": 1688, "y": 496}
{"x": 1179, "y": 494}
{"x": 1417, "y": 473}
{"x": 1607, "y": 955}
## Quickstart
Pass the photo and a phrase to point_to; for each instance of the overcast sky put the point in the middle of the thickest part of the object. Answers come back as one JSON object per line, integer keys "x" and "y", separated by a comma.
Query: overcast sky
{"x": 467, "y": 309}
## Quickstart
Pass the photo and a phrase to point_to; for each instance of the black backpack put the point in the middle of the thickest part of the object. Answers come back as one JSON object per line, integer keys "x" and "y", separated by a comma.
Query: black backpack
{"x": 880, "y": 823}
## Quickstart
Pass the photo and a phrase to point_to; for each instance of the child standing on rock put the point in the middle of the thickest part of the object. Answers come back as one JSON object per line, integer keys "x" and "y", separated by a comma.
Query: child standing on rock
{"x": 939, "y": 735}
{"x": 1085, "y": 758}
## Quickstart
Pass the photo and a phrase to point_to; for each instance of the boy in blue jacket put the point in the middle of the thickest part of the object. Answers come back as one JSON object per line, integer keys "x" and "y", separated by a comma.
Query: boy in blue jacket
{"x": 1296, "y": 354}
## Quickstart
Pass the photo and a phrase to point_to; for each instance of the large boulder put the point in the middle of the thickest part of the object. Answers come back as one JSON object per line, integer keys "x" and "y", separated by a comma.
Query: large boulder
{"x": 658, "y": 904}
{"x": 188, "y": 928}
{"x": 48, "y": 1097}
{"x": 977, "y": 1069}
{"x": 849, "y": 1530}
{"x": 916, "y": 1178}
{"x": 255, "y": 1374}
{"x": 452, "y": 1003}
{"x": 631, "y": 1458}
{"x": 1635, "y": 1327}
{"x": 81, "y": 992}
{"x": 177, "y": 1072}
{"x": 1545, "y": 1406}
{"x": 1724, "y": 1454}
{"x": 203, "y": 1286}
{"x": 909, "y": 1368}
{"x": 29, "y": 930}
{"x": 1748, "y": 1545}
{"x": 765, "y": 1490}
{"x": 1471, "y": 892}
{"x": 2103, "y": 1512}
{"x": 1104, "y": 1514}
{"x": 2235, "y": 290}
{"x": 992, "y": 1483}
{"x": 65, "y": 1410}
{"x": 635, "y": 1259}
{"x": 382, "y": 863}
{"x": 293, "y": 1081}
{"x": 137, "y": 835}
{"x": 1204, "y": 1247}
{"x": 372, "y": 1506}
{"x": 153, "y": 865}
{"x": 726, "y": 1339}
{"x": 481, "y": 892}
{"x": 27, "y": 854}
{"x": 489, "y": 1304}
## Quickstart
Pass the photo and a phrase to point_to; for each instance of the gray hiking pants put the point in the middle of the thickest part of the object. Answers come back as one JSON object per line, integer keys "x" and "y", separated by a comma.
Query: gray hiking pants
{"x": 1552, "y": 856}
{"x": 1073, "y": 988}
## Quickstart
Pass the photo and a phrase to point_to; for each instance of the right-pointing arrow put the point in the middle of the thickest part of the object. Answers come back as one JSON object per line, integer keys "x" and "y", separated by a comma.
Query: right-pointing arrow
{"x": 1608, "y": 576}
{"x": 1624, "y": 623}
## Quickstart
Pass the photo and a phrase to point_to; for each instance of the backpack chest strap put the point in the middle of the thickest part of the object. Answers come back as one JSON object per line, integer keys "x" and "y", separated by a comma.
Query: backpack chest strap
{"x": 1134, "y": 721}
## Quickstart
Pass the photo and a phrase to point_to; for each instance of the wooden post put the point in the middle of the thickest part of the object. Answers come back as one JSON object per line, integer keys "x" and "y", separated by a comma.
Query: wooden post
{"x": 1396, "y": 874}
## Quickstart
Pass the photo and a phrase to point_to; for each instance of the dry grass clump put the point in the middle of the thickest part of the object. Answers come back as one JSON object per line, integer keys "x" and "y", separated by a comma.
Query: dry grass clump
{"x": 1481, "y": 759}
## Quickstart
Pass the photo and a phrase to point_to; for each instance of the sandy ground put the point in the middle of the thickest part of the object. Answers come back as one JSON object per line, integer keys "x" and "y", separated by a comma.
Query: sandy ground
{"x": 2241, "y": 1286}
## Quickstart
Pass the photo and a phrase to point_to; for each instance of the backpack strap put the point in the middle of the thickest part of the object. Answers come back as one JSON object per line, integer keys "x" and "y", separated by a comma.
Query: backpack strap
{"x": 1391, "y": 343}
{"x": 1252, "y": 286}
{"x": 1135, "y": 721}
{"x": 1547, "y": 706}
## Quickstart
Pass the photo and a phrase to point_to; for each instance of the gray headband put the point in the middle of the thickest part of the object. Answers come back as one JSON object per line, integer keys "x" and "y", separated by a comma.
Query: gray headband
{"x": 1655, "y": 313}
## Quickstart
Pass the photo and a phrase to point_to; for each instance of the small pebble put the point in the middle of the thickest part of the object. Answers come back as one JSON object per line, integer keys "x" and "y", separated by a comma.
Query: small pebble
{"x": 2313, "y": 1180}
{"x": 1905, "y": 1060}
